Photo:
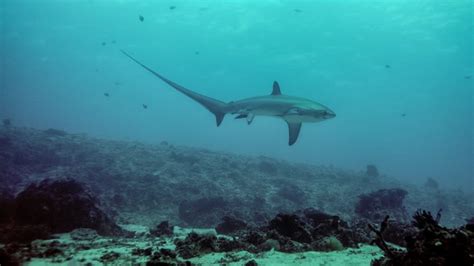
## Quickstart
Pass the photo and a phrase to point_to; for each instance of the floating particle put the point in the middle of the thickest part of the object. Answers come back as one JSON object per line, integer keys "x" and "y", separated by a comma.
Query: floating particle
{"x": 403, "y": 115}
{"x": 104, "y": 43}
{"x": 468, "y": 77}
{"x": 145, "y": 106}
{"x": 172, "y": 7}
{"x": 297, "y": 10}
{"x": 141, "y": 18}
{"x": 196, "y": 53}
{"x": 106, "y": 94}
{"x": 387, "y": 66}
{"x": 114, "y": 42}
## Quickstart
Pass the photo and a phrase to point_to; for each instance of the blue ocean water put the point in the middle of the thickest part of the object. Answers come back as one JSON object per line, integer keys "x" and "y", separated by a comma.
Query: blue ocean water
{"x": 398, "y": 74}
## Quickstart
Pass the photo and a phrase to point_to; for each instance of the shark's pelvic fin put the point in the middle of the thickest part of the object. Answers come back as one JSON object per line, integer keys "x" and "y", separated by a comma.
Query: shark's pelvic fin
{"x": 215, "y": 106}
{"x": 276, "y": 88}
{"x": 250, "y": 118}
{"x": 294, "y": 132}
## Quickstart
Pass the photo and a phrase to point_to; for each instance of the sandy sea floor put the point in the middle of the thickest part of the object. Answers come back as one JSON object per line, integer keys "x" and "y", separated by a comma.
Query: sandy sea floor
{"x": 120, "y": 251}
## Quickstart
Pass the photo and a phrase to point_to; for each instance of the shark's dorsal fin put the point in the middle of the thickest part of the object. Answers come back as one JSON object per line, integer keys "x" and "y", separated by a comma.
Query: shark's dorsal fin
{"x": 276, "y": 88}
{"x": 294, "y": 132}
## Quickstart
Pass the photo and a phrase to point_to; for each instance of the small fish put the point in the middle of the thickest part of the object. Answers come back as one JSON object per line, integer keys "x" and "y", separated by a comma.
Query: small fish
{"x": 145, "y": 106}
{"x": 387, "y": 66}
{"x": 104, "y": 43}
{"x": 172, "y": 7}
{"x": 141, "y": 18}
{"x": 468, "y": 77}
{"x": 106, "y": 94}
{"x": 196, "y": 53}
{"x": 297, "y": 10}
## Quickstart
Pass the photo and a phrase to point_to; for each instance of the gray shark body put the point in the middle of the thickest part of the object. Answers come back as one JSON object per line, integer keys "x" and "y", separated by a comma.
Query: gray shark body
{"x": 294, "y": 110}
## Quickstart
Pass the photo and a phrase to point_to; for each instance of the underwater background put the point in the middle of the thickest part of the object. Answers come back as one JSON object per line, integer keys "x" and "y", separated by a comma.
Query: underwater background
{"x": 103, "y": 163}
{"x": 397, "y": 74}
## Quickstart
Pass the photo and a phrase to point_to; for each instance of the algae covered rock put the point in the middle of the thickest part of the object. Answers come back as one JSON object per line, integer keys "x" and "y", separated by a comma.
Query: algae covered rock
{"x": 62, "y": 205}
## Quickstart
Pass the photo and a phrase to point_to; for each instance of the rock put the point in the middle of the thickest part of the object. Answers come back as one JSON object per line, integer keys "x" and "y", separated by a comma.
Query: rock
{"x": 142, "y": 252}
{"x": 166, "y": 257}
{"x": 292, "y": 193}
{"x": 270, "y": 244}
{"x": 397, "y": 232}
{"x": 329, "y": 243}
{"x": 251, "y": 263}
{"x": 23, "y": 233}
{"x": 7, "y": 259}
{"x": 62, "y": 205}
{"x": 109, "y": 257}
{"x": 6, "y": 207}
{"x": 195, "y": 245}
{"x": 376, "y": 205}
{"x": 431, "y": 184}
{"x": 267, "y": 167}
{"x": 163, "y": 229}
{"x": 84, "y": 234}
{"x": 230, "y": 225}
{"x": 209, "y": 210}
{"x": 372, "y": 171}
{"x": 291, "y": 226}
{"x": 55, "y": 132}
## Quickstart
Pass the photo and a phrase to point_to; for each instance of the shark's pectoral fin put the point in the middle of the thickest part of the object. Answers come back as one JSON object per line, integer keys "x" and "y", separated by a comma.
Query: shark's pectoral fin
{"x": 219, "y": 117}
{"x": 294, "y": 132}
{"x": 241, "y": 116}
{"x": 250, "y": 118}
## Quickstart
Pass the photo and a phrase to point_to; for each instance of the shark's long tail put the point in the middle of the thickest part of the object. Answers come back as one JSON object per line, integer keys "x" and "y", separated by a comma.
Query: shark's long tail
{"x": 215, "y": 106}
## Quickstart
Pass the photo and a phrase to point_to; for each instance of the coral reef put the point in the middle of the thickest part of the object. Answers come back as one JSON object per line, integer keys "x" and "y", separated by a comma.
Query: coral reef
{"x": 138, "y": 183}
{"x": 432, "y": 244}
{"x": 250, "y": 200}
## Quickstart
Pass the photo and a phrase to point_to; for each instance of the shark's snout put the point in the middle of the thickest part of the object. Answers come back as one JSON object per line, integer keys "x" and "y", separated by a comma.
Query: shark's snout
{"x": 328, "y": 114}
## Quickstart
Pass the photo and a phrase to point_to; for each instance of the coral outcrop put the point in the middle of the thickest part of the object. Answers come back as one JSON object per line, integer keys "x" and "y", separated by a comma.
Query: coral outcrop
{"x": 431, "y": 244}
{"x": 375, "y": 205}
{"x": 52, "y": 206}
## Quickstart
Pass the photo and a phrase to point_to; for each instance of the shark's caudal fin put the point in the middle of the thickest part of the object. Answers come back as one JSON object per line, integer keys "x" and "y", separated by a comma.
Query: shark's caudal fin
{"x": 215, "y": 106}
{"x": 294, "y": 132}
